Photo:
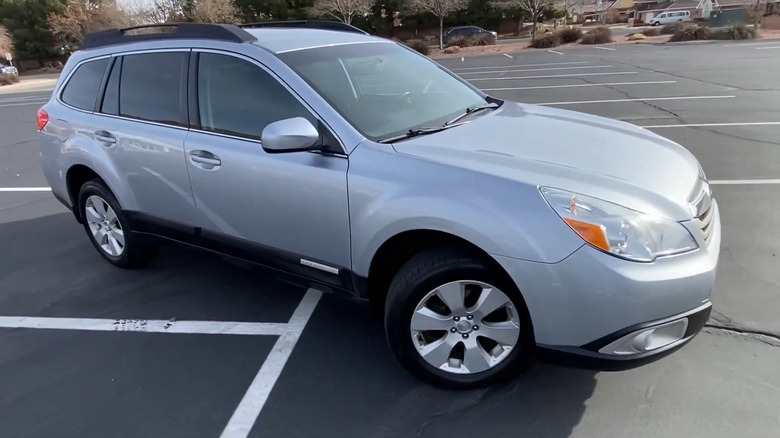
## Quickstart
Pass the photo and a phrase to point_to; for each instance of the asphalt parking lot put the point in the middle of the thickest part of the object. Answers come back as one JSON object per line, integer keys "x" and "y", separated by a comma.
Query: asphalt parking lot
{"x": 197, "y": 346}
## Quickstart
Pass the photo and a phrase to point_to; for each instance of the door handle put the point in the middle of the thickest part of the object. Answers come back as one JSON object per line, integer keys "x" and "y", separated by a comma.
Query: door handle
{"x": 105, "y": 137}
{"x": 205, "y": 159}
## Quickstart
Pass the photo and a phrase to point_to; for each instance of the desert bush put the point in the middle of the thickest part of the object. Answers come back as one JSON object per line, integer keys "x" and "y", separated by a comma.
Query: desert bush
{"x": 482, "y": 40}
{"x": 570, "y": 35}
{"x": 736, "y": 32}
{"x": 8, "y": 79}
{"x": 599, "y": 35}
{"x": 651, "y": 32}
{"x": 419, "y": 45}
{"x": 546, "y": 42}
{"x": 672, "y": 28}
{"x": 691, "y": 33}
{"x": 460, "y": 41}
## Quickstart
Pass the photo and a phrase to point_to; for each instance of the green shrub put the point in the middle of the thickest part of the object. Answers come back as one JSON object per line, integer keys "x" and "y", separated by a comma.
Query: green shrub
{"x": 599, "y": 35}
{"x": 651, "y": 32}
{"x": 546, "y": 42}
{"x": 691, "y": 33}
{"x": 736, "y": 32}
{"x": 672, "y": 28}
{"x": 419, "y": 45}
{"x": 570, "y": 35}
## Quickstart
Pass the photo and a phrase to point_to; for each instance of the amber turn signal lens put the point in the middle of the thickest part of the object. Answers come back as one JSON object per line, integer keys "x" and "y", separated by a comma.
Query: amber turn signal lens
{"x": 593, "y": 234}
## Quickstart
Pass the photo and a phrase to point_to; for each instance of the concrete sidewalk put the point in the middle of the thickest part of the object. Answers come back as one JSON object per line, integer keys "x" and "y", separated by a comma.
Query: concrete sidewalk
{"x": 41, "y": 82}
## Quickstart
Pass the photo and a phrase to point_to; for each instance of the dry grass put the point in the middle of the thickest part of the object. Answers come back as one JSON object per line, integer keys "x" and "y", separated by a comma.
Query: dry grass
{"x": 546, "y": 42}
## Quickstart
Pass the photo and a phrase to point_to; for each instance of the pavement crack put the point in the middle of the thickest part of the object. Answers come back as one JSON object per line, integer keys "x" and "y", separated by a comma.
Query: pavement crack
{"x": 478, "y": 398}
{"x": 720, "y": 323}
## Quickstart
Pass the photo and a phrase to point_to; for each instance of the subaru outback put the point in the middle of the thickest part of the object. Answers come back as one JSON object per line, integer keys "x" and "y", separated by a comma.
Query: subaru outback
{"x": 485, "y": 231}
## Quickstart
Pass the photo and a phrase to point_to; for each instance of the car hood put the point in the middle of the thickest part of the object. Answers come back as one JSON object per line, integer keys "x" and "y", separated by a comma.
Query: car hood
{"x": 595, "y": 156}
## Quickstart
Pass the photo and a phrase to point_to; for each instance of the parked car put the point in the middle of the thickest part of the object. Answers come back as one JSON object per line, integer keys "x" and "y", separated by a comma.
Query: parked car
{"x": 671, "y": 17}
{"x": 8, "y": 74}
{"x": 484, "y": 230}
{"x": 455, "y": 33}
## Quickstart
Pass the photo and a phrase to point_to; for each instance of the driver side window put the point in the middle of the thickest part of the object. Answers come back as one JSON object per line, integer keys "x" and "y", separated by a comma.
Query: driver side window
{"x": 237, "y": 97}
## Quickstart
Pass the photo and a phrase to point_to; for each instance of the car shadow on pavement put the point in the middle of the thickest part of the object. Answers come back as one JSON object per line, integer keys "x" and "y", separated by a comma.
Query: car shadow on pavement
{"x": 343, "y": 381}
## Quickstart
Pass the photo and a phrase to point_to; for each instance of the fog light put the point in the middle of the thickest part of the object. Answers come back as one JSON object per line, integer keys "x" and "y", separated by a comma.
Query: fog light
{"x": 648, "y": 339}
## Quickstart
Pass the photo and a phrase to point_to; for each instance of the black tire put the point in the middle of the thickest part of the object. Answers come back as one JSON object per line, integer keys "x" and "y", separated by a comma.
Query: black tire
{"x": 656, "y": 24}
{"x": 135, "y": 253}
{"x": 425, "y": 272}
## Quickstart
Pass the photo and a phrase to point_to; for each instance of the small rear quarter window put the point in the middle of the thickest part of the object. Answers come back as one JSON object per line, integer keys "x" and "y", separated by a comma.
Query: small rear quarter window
{"x": 81, "y": 90}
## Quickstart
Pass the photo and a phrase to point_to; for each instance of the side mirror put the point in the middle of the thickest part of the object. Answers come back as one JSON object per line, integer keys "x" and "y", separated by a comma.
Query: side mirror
{"x": 289, "y": 135}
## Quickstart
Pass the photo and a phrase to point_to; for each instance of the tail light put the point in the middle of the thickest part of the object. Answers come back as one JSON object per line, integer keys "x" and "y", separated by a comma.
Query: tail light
{"x": 43, "y": 119}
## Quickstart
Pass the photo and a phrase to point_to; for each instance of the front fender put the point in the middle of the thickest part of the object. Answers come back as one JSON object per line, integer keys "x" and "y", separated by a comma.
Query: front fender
{"x": 391, "y": 193}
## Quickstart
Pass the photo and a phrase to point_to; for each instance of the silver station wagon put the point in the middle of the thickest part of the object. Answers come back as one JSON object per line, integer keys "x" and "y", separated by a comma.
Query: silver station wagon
{"x": 484, "y": 231}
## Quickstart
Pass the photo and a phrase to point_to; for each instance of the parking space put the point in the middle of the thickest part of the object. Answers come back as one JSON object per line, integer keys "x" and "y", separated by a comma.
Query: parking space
{"x": 197, "y": 345}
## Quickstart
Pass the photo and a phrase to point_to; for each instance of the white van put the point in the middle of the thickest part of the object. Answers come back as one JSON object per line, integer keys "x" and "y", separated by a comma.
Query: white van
{"x": 671, "y": 17}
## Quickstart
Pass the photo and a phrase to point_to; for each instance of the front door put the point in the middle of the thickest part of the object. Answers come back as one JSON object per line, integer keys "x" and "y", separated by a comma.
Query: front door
{"x": 286, "y": 211}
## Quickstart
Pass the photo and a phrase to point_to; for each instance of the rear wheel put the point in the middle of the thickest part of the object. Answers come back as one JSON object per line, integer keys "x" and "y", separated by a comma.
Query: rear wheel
{"x": 108, "y": 228}
{"x": 453, "y": 321}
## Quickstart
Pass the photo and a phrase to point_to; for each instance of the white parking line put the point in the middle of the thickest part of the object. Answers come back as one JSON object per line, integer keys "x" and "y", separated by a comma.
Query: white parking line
{"x": 25, "y": 189}
{"x": 767, "y": 48}
{"x": 750, "y": 44}
{"x": 703, "y": 125}
{"x": 521, "y": 65}
{"x": 636, "y": 100}
{"x": 21, "y": 99}
{"x": 533, "y": 69}
{"x": 245, "y": 415}
{"x": 556, "y": 52}
{"x": 579, "y": 85}
{"x": 740, "y": 182}
{"x": 146, "y": 326}
{"x": 603, "y": 48}
{"x": 572, "y": 75}
{"x": 509, "y": 56}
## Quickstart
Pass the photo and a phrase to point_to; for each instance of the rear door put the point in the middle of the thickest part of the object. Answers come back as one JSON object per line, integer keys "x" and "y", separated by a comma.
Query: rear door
{"x": 284, "y": 210}
{"x": 142, "y": 126}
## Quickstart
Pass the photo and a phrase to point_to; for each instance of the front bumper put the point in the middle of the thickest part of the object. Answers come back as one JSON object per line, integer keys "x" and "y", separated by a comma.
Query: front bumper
{"x": 593, "y": 355}
{"x": 590, "y": 299}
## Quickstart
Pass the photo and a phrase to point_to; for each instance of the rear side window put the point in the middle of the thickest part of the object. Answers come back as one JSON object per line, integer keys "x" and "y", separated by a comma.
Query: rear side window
{"x": 239, "y": 98}
{"x": 153, "y": 87}
{"x": 82, "y": 88}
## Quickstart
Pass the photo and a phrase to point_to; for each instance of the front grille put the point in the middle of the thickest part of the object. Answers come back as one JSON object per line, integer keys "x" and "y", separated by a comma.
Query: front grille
{"x": 701, "y": 207}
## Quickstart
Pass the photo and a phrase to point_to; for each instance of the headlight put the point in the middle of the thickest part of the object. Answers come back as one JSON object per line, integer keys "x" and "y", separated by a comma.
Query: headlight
{"x": 618, "y": 230}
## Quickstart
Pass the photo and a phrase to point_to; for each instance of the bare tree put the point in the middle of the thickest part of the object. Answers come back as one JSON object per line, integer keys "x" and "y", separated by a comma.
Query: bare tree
{"x": 534, "y": 9}
{"x": 80, "y": 18}
{"x": 439, "y": 8}
{"x": 6, "y": 45}
{"x": 215, "y": 11}
{"x": 342, "y": 10}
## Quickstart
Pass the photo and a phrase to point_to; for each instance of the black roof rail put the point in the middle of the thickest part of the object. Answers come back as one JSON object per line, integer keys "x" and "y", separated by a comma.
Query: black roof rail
{"x": 312, "y": 24}
{"x": 222, "y": 32}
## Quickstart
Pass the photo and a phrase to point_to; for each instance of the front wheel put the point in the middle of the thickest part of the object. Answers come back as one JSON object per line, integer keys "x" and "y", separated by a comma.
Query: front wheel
{"x": 455, "y": 322}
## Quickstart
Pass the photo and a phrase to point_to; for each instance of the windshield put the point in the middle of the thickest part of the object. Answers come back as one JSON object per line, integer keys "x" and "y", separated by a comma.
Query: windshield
{"x": 383, "y": 89}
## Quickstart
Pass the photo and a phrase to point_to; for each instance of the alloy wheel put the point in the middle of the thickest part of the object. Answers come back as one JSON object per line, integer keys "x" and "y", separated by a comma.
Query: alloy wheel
{"x": 465, "y": 327}
{"x": 104, "y": 226}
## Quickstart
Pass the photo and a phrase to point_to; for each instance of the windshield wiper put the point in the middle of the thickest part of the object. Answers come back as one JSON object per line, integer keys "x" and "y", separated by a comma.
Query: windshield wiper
{"x": 416, "y": 132}
{"x": 472, "y": 110}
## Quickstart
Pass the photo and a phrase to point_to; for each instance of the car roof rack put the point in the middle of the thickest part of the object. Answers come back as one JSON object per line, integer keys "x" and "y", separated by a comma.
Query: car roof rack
{"x": 222, "y": 32}
{"x": 311, "y": 24}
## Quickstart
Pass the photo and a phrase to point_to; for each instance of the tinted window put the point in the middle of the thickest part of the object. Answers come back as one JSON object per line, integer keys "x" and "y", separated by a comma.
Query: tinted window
{"x": 153, "y": 87}
{"x": 111, "y": 96}
{"x": 82, "y": 89}
{"x": 239, "y": 98}
{"x": 383, "y": 89}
